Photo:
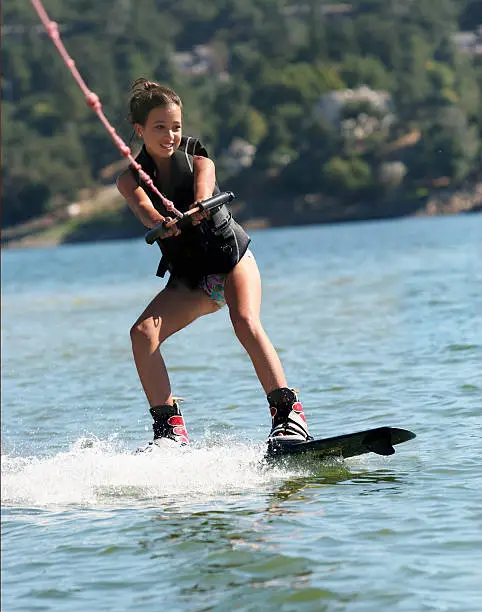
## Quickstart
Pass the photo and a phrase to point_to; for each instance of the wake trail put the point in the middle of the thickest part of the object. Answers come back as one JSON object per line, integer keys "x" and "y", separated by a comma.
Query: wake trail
{"x": 97, "y": 472}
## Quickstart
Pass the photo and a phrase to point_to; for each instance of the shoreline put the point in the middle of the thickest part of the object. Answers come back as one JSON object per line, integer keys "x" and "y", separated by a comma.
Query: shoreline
{"x": 102, "y": 214}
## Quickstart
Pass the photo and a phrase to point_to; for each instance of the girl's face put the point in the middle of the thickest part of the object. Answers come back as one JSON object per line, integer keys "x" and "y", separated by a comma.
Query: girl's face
{"x": 162, "y": 131}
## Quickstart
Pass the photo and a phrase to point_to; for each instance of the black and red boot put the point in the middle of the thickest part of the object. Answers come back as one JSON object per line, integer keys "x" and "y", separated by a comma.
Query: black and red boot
{"x": 169, "y": 427}
{"x": 289, "y": 422}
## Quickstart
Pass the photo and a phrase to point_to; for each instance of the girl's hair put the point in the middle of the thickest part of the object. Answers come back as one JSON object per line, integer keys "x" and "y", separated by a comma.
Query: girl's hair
{"x": 146, "y": 95}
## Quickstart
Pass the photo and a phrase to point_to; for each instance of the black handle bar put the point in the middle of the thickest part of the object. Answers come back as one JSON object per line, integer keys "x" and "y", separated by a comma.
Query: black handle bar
{"x": 206, "y": 205}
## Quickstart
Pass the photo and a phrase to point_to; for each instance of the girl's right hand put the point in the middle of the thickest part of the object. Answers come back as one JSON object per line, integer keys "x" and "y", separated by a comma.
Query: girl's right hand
{"x": 171, "y": 228}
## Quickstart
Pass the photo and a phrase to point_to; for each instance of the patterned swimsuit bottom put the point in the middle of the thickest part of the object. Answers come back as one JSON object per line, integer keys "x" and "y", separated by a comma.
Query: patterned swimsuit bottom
{"x": 213, "y": 284}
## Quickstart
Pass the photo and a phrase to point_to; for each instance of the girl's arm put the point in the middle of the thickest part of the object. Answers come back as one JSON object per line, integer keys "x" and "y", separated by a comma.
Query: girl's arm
{"x": 204, "y": 183}
{"x": 204, "y": 178}
{"x": 139, "y": 202}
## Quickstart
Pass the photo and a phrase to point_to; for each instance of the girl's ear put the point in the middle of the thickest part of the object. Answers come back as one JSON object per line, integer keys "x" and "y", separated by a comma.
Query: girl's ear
{"x": 138, "y": 129}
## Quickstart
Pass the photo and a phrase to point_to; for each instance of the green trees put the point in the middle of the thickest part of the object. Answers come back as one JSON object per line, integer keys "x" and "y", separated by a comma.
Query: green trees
{"x": 258, "y": 77}
{"x": 448, "y": 148}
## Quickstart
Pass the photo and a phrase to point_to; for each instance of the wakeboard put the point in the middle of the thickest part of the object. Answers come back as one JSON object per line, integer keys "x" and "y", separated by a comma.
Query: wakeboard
{"x": 380, "y": 440}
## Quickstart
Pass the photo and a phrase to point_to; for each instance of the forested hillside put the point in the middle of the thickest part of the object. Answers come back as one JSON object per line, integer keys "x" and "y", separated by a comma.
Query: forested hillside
{"x": 257, "y": 79}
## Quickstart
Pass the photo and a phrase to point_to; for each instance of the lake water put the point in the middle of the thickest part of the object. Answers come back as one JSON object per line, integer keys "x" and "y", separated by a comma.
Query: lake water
{"x": 376, "y": 324}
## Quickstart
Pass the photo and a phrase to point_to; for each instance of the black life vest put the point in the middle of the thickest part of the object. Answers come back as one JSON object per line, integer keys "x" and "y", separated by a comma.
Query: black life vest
{"x": 216, "y": 244}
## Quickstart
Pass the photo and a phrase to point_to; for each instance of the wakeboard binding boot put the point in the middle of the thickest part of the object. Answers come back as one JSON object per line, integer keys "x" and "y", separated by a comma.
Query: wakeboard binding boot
{"x": 288, "y": 418}
{"x": 169, "y": 427}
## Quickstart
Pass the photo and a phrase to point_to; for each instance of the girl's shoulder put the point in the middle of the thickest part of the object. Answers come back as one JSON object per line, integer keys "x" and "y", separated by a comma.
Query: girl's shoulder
{"x": 193, "y": 146}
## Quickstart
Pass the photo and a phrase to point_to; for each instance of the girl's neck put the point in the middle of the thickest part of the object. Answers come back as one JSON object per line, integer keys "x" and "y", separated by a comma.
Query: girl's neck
{"x": 162, "y": 164}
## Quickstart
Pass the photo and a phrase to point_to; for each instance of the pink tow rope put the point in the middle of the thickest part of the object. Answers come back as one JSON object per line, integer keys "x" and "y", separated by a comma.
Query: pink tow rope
{"x": 94, "y": 102}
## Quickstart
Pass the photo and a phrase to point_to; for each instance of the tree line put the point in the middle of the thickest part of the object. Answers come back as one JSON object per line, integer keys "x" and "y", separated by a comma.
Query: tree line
{"x": 257, "y": 79}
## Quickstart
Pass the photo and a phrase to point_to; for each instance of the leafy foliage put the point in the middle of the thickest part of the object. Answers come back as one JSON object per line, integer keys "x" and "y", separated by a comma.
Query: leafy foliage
{"x": 266, "y": 66}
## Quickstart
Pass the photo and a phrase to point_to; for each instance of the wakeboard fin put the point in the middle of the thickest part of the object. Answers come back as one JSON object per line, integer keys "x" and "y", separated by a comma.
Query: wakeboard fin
{"x": 380, "y": 442}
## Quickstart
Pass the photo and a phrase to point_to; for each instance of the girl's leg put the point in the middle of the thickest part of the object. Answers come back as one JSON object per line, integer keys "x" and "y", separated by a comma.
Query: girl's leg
{"x": 170, "y": 311}
{"x": 242, "y": 292}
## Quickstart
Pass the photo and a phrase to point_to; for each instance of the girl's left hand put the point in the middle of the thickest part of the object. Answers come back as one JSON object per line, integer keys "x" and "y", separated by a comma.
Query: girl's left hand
{"x": 197, "y": 217}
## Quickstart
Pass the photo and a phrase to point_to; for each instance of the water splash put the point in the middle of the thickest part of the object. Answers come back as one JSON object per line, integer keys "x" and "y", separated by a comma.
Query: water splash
{"x": 97, "y": 472}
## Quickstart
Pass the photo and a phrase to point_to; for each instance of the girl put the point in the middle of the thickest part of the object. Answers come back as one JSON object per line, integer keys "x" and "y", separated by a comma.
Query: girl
{"x": 209, "y": 262}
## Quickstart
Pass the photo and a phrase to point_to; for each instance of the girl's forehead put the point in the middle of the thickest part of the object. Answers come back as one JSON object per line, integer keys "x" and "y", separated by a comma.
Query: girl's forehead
{"x": 169, "y": 113}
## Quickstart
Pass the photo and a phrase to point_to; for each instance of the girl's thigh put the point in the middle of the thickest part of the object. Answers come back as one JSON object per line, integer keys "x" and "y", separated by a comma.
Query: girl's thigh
{"x": 174, "y": 308}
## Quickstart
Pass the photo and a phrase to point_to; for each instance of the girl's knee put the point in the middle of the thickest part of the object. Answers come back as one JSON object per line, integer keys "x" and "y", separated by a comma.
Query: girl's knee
{"x": 246, "y": 325}
{"x": 144, "y": 332}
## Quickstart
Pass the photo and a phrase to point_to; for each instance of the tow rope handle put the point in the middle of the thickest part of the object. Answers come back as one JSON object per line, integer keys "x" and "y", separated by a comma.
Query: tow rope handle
{"x": 208, "y": 205}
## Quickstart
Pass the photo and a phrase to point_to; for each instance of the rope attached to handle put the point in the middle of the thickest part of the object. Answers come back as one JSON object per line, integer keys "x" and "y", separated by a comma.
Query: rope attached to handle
{"x": 94, "y": 102}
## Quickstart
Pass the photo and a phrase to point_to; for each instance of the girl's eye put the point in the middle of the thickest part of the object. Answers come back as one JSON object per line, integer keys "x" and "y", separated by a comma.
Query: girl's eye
{"x": 176, "y": 128}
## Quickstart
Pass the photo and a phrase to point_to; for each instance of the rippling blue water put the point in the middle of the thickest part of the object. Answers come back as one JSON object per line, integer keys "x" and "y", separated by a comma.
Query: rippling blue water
{"x": 376, "y": 324}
